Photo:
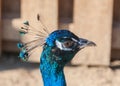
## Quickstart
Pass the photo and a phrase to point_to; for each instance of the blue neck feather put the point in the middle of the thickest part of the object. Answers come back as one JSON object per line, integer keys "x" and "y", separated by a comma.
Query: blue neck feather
{"x": 52, "y": 72}
{"x": 52, "y": 66}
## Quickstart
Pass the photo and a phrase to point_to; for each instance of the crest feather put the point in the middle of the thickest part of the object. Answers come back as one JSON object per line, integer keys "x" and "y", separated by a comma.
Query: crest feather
{"x": 39, "y": 37}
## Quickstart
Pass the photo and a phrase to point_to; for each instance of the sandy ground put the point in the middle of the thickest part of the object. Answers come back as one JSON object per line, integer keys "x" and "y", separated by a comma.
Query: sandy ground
{"x": 16, "y": 73}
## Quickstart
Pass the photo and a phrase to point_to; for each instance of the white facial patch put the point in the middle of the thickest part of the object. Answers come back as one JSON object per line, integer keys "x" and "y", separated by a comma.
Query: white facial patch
{"x": 61, "y": 46}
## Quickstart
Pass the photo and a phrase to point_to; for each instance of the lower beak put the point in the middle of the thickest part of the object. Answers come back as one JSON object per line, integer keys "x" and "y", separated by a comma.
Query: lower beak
{"x": 85, "y": 43}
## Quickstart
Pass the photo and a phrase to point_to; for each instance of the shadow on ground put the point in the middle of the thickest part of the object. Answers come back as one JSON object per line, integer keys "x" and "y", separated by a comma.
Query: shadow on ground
{"x": 11, "y": 61}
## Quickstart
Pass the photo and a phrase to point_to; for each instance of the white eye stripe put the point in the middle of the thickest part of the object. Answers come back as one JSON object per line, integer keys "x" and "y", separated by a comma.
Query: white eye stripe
{"x": 74, "y": 40}
{"x": 61, "y": 46}
{"x": 58, "y": 44}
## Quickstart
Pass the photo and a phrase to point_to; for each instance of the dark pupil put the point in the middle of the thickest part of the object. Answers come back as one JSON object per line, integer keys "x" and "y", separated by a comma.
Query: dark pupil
{"x": 68, "y": 43}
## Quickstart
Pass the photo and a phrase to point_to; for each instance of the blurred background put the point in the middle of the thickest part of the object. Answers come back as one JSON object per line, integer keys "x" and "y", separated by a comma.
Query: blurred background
{"x": 96, "y": 20}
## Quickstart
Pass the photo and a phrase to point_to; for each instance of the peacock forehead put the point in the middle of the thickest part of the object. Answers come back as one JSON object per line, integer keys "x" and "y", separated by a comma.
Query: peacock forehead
{"x": 50, "y": 40}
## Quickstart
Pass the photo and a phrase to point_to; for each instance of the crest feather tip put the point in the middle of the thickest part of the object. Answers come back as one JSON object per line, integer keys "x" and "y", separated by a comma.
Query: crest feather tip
{"x": 23, "y": 55}
{"x": 26, "y": 23}
{"x": 20, "y": 45}
{"x": 22, "y": 33}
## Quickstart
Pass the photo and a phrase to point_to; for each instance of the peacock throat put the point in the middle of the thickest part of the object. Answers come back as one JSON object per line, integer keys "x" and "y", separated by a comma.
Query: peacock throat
{"x": 52, "y": 72}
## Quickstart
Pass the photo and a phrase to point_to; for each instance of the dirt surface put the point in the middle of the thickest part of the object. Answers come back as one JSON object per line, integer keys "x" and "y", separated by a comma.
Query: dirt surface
{"x": 16, "y": 73}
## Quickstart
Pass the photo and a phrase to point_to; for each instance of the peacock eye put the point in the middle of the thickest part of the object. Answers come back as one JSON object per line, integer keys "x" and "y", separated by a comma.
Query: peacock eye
{"x": 68, "y": 44}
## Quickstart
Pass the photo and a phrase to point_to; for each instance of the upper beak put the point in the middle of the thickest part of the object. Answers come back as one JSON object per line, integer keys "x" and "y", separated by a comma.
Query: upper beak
{"x": 84, "y": 43}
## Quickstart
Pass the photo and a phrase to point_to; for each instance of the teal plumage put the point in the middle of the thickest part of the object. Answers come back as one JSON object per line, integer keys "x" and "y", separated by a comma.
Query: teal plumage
{"x": 59, "y": 47}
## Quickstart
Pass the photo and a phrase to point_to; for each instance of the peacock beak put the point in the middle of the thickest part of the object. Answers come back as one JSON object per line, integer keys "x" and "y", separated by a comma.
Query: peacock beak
{"x": 85, "y": 43}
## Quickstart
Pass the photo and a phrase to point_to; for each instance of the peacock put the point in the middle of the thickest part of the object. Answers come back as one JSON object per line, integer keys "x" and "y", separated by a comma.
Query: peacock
{"x": 59, "y": 48}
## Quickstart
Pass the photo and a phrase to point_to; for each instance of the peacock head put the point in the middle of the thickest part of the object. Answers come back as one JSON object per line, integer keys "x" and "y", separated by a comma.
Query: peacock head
{"x": 65, "y": 44}
{"x": 62, "y": 44}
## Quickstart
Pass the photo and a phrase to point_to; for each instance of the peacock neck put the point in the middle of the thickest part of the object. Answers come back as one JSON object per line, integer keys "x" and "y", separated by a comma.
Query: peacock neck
{"x": 53, "y": 78}
{"x": 51, "y": 70}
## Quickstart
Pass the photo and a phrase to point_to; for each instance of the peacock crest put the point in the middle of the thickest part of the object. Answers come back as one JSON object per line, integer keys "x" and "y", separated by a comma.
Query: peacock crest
{"x": 39, "y": 37}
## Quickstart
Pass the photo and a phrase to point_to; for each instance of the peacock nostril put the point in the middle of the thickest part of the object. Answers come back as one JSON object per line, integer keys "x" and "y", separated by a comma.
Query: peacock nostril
{"x": 84, "y": 41}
